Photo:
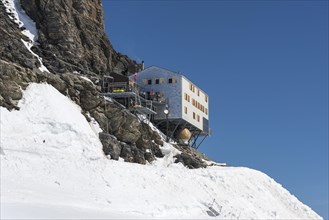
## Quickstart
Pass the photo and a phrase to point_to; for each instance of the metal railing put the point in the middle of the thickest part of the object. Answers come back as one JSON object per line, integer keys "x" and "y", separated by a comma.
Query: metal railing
{"x": 117, "y": 87}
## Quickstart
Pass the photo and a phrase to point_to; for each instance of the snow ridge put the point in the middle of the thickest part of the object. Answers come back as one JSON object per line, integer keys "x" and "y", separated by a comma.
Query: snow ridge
{"x": 53, "y": 166}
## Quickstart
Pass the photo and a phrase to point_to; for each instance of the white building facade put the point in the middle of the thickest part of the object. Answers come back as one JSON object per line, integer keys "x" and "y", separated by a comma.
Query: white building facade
{"x": 195, "y": 105}
{"x": 185, "y": 101}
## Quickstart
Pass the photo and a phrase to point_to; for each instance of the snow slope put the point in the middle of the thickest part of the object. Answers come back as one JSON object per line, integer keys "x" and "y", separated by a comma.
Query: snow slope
{"x": 52, "y": 166}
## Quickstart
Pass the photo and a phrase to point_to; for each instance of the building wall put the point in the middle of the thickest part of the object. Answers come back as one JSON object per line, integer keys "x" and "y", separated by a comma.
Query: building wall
{"x": 195, "y": 105}
{"x": 184, "y": 98}
{"x": 171, "y": 91}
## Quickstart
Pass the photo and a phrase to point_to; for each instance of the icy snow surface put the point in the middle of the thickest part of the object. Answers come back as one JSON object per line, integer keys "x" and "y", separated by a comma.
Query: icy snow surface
{"x": 18, "y": 15}
{"x": 53, "y": 167}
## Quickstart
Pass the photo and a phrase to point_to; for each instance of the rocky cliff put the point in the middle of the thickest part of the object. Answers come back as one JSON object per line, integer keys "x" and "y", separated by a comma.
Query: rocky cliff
{"x": 11, "y": 47}
{"x": 72, "y": 44}
{"x": 71, "y": 38}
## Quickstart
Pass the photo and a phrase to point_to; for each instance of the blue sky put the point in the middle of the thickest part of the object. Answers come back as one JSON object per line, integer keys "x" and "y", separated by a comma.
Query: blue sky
{"x": 264, "y": 65}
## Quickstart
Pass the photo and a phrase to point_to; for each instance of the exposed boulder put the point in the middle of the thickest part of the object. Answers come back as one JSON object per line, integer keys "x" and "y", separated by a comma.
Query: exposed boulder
{"x": 111, "y": 146}
{"x": 148, "y": 138}
{"x": 11, "y": 84}
{"x": 129, "y": 130}
{"x": 11, "y": 90}
{"x": 191, "y": 157}
{"x": 87, "y": 100}
{"x": 156, "y": 151}
{"x": 189, "y": 161}
{"x": 191, "y": 151}
{"x": 127, "y": 153}
{"x": 149, "y": 142}
{"x": 55, "y": 81}
{"x": 130, "y": 153}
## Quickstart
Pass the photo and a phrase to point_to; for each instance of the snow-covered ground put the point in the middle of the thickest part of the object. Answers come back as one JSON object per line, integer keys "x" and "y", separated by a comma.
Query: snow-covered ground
{"x": 18, "y": 15}
{"x": 52, "y": 166}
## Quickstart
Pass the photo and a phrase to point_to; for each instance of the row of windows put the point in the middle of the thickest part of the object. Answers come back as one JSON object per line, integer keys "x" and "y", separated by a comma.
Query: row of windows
{"x": 195, "y": 116}
{"x": 192, "y": 88}
{"x": 158, "y": 81}
{"x": 196, "y": 104}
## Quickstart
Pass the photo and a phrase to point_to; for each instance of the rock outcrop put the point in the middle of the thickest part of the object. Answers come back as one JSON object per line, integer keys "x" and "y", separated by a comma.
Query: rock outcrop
{"x": 71, "y": 38}
{"x": 11, "y": 46}
{"x": 191, "y": 157}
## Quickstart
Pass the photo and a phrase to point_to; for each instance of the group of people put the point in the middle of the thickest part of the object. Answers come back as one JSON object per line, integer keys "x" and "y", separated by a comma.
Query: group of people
{"x": 150, "y": 95}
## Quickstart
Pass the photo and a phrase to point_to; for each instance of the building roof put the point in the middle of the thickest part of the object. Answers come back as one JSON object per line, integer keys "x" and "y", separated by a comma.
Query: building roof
{"x": 172, "y": 72}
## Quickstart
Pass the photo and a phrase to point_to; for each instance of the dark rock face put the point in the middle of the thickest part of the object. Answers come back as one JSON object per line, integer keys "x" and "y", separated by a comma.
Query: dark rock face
{"x": 124, "y": 125}
{"x": 111, "y": 146}
{"x": 132, "y": 154}
{"x": 192, "y": 151}
{"x": 11, "y": 46}
{"x": 71, "y": 38}
{"x": 148, "y": 137}
{"x": 129, "y": 152}
{"x": 191, "y": 157}
{"x": 189, "y": 161}
{"x": 71, "y": 34}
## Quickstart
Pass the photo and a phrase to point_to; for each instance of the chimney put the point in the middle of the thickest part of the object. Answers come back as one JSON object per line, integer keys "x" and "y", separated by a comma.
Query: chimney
{"x": 142, "y": 64}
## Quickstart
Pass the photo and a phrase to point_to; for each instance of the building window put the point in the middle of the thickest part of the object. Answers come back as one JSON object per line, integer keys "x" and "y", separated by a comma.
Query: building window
{"x": 206, "y": 111}
{"x": 206, "y": 98}
{"x": 157, "y": 81}
{"x": 198, "y": 92}
{"x": 198, "y": 118}
{"x": 192, "y": 87}
{"x": 172, "y": 80}
{"x": 186, "y": 97}
{"x": 185, "y": 110}
{"x": 193, "y": 115}
{"x": 193, "y": 102}
{"x": 149, "y": 82}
